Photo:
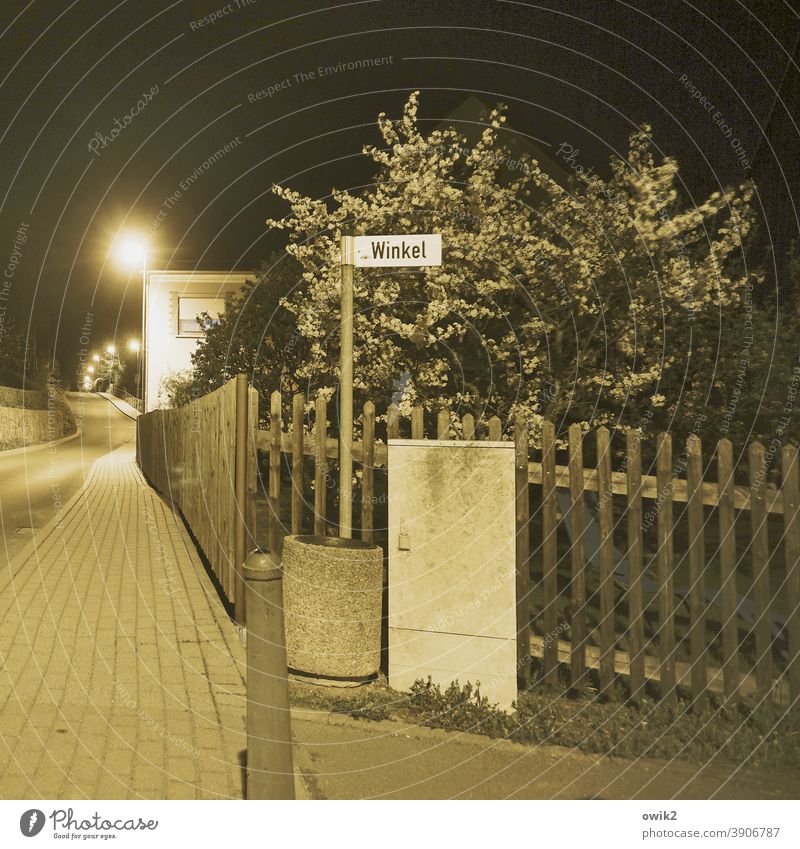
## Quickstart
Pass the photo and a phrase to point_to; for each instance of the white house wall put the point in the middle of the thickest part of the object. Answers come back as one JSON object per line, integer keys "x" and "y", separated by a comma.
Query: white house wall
{"x": 165, "y": 351}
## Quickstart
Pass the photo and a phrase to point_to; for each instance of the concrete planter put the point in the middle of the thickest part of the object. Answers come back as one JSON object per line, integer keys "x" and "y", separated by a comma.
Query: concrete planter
{"x": 332, "y": 593}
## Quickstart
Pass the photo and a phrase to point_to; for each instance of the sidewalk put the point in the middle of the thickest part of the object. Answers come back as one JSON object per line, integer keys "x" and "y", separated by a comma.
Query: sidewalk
{"x": 121, "y": 676}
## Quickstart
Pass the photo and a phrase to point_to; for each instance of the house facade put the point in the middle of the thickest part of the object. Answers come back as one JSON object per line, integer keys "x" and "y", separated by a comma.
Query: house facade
{"x": 172, "y": 330}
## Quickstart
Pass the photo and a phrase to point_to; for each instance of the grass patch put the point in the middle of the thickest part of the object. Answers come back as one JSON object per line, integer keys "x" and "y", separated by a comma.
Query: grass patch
{"x": 747, "y": 733}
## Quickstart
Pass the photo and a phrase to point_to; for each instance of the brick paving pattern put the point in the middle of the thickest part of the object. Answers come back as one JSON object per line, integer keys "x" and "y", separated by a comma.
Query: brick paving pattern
{"x": 121, "y": 675}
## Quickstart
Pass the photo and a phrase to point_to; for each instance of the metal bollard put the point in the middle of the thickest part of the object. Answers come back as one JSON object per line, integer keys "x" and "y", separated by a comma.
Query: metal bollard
{"x": 270, "y": 763}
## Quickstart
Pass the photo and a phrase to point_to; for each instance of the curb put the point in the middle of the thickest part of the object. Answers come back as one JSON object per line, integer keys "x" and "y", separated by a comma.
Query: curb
{"x": 397, "y": 728}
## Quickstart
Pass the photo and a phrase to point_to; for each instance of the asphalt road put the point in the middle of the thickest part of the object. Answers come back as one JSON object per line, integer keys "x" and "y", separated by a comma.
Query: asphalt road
{"x": 37, "y": 482}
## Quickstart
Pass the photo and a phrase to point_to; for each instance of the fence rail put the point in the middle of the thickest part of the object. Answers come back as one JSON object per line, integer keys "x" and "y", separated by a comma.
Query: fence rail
{"x": 621, "y": 610}
{"x": 126, "y": 396}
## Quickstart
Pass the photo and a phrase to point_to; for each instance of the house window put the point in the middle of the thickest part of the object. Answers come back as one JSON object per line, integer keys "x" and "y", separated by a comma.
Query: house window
{"x": 189, "y": 310}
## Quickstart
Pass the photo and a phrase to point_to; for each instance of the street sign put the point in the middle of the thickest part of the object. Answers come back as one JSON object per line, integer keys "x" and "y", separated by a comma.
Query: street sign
{"x": 410, "y": 250}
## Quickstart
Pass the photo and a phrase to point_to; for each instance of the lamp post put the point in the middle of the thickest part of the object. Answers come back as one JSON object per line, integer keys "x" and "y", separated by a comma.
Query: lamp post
{"x": 133, "y": 345}
{"x": 141, "y": 358}
{"x": 132, "y": 252}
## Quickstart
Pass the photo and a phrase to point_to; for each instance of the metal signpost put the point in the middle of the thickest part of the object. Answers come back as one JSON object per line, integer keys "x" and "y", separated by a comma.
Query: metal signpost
{"x": 401, "y": 251}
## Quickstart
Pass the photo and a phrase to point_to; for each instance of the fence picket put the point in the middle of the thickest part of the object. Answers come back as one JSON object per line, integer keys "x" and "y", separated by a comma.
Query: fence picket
{"x": 791, "y": 519}
{"x": 759, "y": 553}
{"x": 606, "y": 522}
{"x": 697, "y": 588}
{"x": 443, "y": 424}
{"x": 495, "y": 429}
{"x": 578, "y": 582}
{"x": 633, "y": 473}
{"x": 320, "y": 465}
{"x": 275, "y": 430}
{"x": 549, "y": 553}
{"x": 727, "y": 554}
{"x": 298, "y": 405}
{"x": 468, "y": 430}
{"x": 393, "y": 422}
{"x": 522, "y": 548}
{"x": 418, "y": 422}
{"x": 666, "y": 597}
{"x": 368, "y": 473}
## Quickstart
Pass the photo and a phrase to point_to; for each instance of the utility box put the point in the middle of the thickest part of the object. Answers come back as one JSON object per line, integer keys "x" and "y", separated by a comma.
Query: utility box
{"x": 452, "y": 565}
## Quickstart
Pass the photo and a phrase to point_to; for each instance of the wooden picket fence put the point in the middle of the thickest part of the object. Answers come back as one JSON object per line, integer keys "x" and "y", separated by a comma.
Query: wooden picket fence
{"x": 584, "y": 620}
{"x": 197, "y": 456}
{"x": 619, "y": 644}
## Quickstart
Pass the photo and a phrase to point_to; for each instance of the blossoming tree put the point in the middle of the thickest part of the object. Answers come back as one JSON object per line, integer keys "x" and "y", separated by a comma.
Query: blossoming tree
{"x": 595, "y": 304}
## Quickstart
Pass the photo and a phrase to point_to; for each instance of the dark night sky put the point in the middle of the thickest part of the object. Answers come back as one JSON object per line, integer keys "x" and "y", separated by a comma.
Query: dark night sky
{"x": 582, "y": 72}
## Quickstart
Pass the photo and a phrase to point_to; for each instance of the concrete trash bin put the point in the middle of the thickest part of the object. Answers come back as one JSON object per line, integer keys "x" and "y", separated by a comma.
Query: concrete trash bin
{"x": 332, "y": 594}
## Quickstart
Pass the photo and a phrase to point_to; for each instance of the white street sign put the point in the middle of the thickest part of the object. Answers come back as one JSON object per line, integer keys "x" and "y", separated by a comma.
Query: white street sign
{"x": 406, "y": 250}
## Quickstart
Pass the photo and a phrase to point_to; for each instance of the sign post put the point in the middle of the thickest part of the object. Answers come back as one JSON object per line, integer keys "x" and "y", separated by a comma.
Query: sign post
{"x": 409, "y": 251}
{"x": 346, "y": 390}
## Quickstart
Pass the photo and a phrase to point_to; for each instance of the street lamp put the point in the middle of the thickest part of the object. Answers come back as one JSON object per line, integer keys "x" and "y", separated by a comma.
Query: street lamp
{"x": 90, "y": 369}
{"x": 111, "y": 349}
{"x": 96, "y": 357}
{"x": 131, "y": 251}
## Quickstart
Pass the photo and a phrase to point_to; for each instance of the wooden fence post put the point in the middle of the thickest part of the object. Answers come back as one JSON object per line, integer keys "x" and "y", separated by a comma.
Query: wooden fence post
{"x": 730, "y": 628}
{"x": 697, "y": 586}
{"x": 759, "y": 553}
{"x": 298, "y": 406}
{"x": 549, "y": 553}
{"x": 633, "y": 477}
{"x": 578, "y": 561}
{"x": 368, "y": 473}
{"x": 320, "y": 465}
{"x": 252, "y": 469}
{"x": 791, "y": 520}
{"x": 240, "y": 490}
{"x": 666, "y": 598}
{"x": 606, "y": 521}
{"x": 523, "y": 549}
{"x": 275, "y": 432}
{"x": 495, "y": 429}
